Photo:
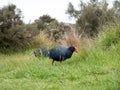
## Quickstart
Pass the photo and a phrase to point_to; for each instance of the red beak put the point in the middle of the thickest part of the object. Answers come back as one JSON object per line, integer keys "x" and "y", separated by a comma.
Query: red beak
{"x": 76, "y": 49}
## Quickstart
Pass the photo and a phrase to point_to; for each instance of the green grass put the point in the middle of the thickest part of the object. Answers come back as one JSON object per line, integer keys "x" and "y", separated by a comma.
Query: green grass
{"x": 90, "y": 69}
{"x": 95, "y": 68}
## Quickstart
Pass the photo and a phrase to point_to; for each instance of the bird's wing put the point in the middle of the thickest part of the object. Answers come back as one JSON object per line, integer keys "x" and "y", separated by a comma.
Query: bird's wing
{"x": 58, "y": 52}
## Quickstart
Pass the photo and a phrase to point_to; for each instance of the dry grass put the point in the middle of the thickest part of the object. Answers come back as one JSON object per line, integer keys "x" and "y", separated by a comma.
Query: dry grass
{"x": 42, "y": 40}
{"x": 71, "y": 38}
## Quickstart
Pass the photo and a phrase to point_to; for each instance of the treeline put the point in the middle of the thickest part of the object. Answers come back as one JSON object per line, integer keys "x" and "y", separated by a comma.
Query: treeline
{"x": 92, "y": 16}
{"x": 15, "y": 35}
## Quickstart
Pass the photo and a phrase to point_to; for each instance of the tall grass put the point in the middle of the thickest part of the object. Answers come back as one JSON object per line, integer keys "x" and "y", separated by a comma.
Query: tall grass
{"x": 42, "y": 40}
{"x": 70, "y": 38}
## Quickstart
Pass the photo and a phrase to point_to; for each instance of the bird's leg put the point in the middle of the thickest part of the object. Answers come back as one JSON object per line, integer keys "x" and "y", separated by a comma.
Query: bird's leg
{"x": 52, "y": 62}
{"x": 61, "y": 62}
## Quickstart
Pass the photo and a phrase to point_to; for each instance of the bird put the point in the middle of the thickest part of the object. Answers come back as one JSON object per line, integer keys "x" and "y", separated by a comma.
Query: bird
{"x": 61, "y": 53}
{"x": 41, "y": 52}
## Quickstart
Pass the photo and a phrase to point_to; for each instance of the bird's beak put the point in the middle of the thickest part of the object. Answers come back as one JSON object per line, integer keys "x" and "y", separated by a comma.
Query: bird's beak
{"x": 76, "y": 49}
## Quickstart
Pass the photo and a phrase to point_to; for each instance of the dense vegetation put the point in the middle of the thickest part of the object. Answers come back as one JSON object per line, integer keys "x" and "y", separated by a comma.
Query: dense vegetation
{"x": 15, "y": 35}
{"x": 96, "y": 66}
{"x": 93, "y": 15}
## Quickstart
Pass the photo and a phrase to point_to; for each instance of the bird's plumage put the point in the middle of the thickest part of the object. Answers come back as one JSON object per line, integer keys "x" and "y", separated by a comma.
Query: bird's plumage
{"x": 41, "y": 52}
{"x": 61, "y": 53}
{"x": 58, "y": 53}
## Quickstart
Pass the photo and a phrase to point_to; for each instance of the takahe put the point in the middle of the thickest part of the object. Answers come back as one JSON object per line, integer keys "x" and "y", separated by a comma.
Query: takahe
{"x": 61, "y": 53}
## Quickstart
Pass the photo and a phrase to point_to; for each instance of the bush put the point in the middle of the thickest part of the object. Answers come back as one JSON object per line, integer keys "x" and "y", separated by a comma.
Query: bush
{"x": 110, "y": 39}
{"x": 111, "y": 36}
{"x": 14, "y": 39}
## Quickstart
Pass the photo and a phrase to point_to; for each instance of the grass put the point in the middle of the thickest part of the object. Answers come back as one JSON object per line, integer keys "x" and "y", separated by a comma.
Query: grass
{"x": 95, "y": 67}
{"x": 90, "y": 69}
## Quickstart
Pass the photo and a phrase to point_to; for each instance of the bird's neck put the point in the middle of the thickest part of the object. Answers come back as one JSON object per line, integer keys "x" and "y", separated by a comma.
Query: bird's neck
{"x": 69, "y": 54}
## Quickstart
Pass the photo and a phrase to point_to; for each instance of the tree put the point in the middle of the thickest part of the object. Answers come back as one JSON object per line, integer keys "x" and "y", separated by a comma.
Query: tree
{"x": 116, "y": 8}
{"x": 9, "y": 15}
{"x": 43, "y": 21}
{"x": 51, "y": 27}
{"x": 91, "y": 16}
{"x": 12, "y": 33}
{"x": 71, "y": 11}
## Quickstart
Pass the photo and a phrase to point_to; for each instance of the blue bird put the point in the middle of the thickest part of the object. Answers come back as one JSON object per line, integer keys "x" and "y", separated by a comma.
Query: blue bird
{"x": 61, "y": 53}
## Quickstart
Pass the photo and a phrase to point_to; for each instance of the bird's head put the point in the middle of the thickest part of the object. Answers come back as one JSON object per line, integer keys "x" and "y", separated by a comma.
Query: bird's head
{"x": 73, "y": 49}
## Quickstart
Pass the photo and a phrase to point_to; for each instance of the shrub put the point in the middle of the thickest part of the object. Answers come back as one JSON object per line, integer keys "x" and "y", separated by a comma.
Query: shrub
{"x": 110, "y": 39}
{"x": 15, "y": 39}
{"x": 111, "y": 36}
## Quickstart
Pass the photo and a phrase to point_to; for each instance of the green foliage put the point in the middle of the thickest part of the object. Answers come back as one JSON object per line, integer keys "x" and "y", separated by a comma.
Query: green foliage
{"x": 111, "y": 36}
{"x": 110, "y": 39}
{"x": 71, "y": 10}
{"x": 84, "y": 54}
{"x": 91, "y": 16}
{"x": 11, "y": 31}
{"x": 116, "y": 8}
{"x": 14, "y": 34}
{"x": 52, "y": 27}
{"x": 9, "y": 15}
{"x": 43, "y": 22}
{"x": 57, "y": 31}
{"x": 14, "y": 39}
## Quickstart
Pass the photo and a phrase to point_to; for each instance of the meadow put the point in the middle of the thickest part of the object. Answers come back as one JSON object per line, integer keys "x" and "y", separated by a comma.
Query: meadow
{"x": 93, "y": 68}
